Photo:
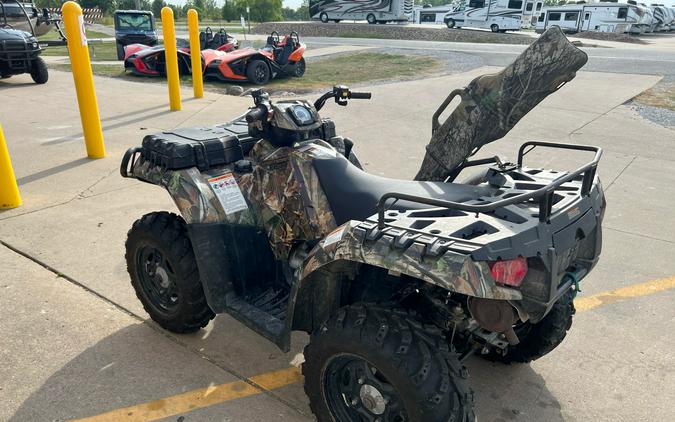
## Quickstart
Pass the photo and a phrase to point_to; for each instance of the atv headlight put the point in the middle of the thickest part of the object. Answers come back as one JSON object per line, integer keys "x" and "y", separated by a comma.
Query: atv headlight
{"x": 301, "y": 115}
{"x": 35, "y": 45}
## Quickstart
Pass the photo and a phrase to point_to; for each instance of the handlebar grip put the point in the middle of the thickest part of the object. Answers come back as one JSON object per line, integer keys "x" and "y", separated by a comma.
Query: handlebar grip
{"x": 360, "y": 95}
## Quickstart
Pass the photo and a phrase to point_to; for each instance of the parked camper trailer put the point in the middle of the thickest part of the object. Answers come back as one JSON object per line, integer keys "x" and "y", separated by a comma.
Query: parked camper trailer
{"x": 497, "y": 15}
{"x": 663, "y": 17}
{"x": 433, "y": 14}
{"x": 646, "y": 21}
{"x": 374, "y": 11}
{"x": 596, "y": 17}
{"x": 531, "y": 12}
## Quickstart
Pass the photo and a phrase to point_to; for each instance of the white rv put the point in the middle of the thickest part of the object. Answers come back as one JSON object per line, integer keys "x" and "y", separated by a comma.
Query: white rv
{"x": 663, "y": 17}
{"x": 374, "y": 11}
{"x": 497, "y": 15}
{"x": 531, "y": 13}
{"x": 433, "y": 14}
{"x": 596, "y": 17}
{"x": 646, "y": 22}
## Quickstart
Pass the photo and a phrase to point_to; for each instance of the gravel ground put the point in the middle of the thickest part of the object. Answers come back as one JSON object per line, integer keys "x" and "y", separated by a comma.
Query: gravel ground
{"x": 609, "y": 36}
{"x": 403, "y": 32}
{"x": 658, "y": 115}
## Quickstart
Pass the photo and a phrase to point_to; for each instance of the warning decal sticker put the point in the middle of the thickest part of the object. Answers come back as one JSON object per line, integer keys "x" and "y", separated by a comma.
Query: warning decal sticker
{"x": 228, "y": 193}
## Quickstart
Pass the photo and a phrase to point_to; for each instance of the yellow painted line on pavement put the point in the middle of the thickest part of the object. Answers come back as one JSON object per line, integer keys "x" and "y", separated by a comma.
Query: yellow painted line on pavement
{"x": 636, "y": 290}
{"x": 196, "y": 399}
{"x": 204, "y": 397}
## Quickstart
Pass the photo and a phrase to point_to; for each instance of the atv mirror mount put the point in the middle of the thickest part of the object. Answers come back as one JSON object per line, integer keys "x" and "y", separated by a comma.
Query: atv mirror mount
{"x": 259, "y": 96}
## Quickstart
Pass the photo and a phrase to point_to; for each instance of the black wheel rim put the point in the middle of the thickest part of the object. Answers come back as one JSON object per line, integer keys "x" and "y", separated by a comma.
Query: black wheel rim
{"x": 300, "y": 68}
{"x": 355, "y": 390}
{"x": 260, "y": 74}
{"x": 157, "y": 279}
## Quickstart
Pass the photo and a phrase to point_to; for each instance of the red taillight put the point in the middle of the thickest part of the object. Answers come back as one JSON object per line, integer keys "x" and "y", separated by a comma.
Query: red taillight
{"x": 511, "y": 272}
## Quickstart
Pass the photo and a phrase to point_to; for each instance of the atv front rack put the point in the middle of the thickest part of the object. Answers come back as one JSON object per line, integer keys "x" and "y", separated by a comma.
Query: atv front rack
{"x": 543, "y": 195}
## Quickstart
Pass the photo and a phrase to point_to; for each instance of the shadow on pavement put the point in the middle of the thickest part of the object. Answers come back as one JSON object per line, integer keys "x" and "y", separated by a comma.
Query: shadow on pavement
{"x": 79, "y": 135}
{"x": 511, "y": 393}
{"x": 135, "y": 365}
{"x": 52, "y": 171}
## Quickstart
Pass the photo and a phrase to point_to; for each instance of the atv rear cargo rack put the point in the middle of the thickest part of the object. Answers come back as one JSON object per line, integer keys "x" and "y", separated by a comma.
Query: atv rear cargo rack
{"x": 543, "y": 194}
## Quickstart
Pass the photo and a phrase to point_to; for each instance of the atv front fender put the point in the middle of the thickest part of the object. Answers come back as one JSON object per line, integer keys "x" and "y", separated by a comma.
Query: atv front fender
{"x": 453, "y": 271}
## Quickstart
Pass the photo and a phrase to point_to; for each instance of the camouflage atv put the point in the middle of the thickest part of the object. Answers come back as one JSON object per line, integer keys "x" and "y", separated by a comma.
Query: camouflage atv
{"x": 397, "y": 282}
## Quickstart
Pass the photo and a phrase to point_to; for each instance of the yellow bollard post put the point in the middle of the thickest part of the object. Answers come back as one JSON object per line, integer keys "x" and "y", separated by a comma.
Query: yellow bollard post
{"x": 195, "y": 54}
{"x": 9, "y": 191}
{"x": 171, "y": 58}
{"x": 84, "y": 80}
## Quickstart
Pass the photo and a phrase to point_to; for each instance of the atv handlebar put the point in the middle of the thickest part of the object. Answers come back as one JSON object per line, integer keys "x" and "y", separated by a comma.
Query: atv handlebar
{"x": 341, "y": 94}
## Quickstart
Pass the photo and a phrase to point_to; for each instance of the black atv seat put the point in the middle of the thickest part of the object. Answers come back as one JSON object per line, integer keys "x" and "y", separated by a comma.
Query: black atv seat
{"x": 353, "y": 193}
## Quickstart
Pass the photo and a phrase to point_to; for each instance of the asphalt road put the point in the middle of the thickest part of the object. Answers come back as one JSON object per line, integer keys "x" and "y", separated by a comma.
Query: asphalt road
{"x": 657, "y": 58}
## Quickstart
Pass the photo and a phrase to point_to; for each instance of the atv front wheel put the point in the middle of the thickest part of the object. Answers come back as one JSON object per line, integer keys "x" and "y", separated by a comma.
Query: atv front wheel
{"x": 536, "y": 340}
{"x": 299, "y": 68}
{"x": 494, "y": 27}
{"x": 450, "y": 23}
{"x": 164, "y": 273}
{"x": 371, "y": 19}
{"x": 369, "y": 363}
{"x": 120, "y": 51}
{"x": 39, "y": 71}
{"x": 258, "y": 72}
{"x": 324, "y": 17}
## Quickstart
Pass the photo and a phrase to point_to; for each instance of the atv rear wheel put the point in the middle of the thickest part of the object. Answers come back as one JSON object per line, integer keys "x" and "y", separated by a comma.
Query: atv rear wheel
{"x": 299, "y": 68}
{"x": 369, "y": 363}
{"x": 164, "y": 273}
{"x": 324, "y": 17}
{"x": 258, "y": 72}
{"x": 39, "y": 71}
{"x": 536, "y": 340}
{"x": 494, "y": 27}
{"x": 371, "y": 19}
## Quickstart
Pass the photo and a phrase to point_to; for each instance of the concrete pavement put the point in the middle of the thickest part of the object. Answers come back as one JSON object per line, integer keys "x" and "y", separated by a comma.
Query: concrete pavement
{"x": 76, "y": 213}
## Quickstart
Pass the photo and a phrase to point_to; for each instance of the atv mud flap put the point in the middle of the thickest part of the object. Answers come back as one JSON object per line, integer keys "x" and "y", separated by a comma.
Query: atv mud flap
{"x": 576, "y": 250}
{"x": 229, "y": 258}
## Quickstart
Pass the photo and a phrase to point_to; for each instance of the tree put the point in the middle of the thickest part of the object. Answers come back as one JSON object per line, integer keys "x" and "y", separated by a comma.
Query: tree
{"x": 106, "y": 6}
{"x": 157, "y": 6}
{"x": 261, "y": 10}
{"x": 229, "y": 11}
{"x": 302, "y": 14}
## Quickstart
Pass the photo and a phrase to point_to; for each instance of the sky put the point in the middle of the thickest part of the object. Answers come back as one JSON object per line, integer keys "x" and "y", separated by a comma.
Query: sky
{"x": 293, "y": 4}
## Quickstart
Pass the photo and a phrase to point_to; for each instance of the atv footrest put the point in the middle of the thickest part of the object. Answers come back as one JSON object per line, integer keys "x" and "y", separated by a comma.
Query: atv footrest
{"x": 268, "y": 321}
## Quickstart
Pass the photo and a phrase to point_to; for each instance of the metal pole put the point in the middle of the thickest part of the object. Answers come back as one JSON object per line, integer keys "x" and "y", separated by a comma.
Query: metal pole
{"x": 195, "y": 53}
{"x": 9, "y": 191}
{"x": 171, "y": 58}
{"x": 84, "y": 79}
